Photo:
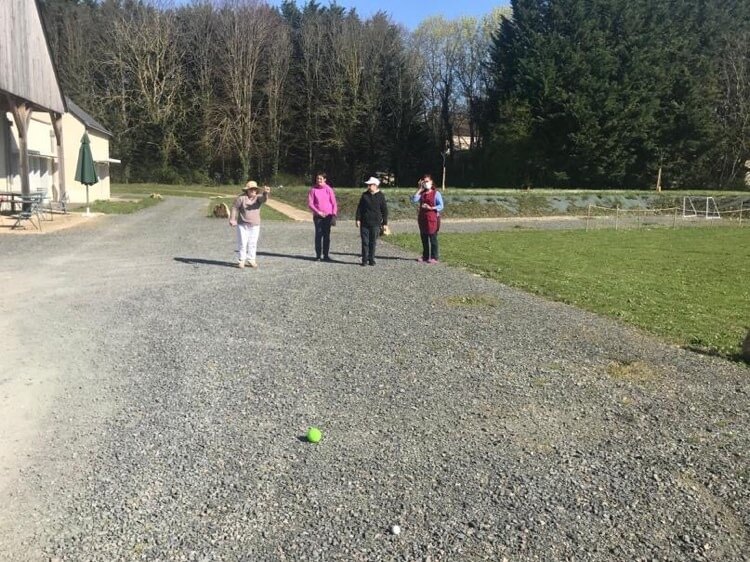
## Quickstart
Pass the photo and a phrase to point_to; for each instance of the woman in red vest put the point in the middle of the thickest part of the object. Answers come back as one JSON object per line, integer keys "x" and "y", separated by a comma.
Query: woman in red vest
{"x": 430, "y": 205}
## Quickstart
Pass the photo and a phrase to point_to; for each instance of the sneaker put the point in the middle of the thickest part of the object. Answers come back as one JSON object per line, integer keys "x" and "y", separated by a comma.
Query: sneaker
{"x": 327, "y": 258}
{"x": 371, "y": 262}
{"x": 252, "y": 263}
{"x": 241, "y": 265}
{"x": 432, "y": 260}
{"x": 317, "y": 258}
{"x": 422, "y": 260}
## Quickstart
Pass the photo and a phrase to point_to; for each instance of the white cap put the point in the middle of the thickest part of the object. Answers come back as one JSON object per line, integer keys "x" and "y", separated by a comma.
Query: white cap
{"x": 372, "y": 181}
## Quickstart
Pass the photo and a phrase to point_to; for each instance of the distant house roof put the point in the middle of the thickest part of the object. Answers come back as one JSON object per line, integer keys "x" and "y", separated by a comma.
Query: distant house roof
{"x": 85, "y": 118}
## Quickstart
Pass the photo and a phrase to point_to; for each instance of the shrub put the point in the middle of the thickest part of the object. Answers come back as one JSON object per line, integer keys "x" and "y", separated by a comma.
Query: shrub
{"x": 290, "y": 180}
{"x": 199, "y": 177}
{"x": 168, "y": 175}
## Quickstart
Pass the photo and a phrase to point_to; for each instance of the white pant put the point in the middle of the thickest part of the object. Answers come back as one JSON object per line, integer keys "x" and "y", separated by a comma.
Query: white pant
{"x": 247, "y": 240}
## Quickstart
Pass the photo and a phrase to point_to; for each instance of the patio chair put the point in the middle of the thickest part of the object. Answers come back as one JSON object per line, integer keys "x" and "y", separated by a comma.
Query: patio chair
{"x": 45, "y": 204}
{"x": 29, "y": 210}
{"x": 61, "y": 205}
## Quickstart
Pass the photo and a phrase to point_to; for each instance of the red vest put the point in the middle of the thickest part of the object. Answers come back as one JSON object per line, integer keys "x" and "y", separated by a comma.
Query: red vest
{"x": 428, "y": 220}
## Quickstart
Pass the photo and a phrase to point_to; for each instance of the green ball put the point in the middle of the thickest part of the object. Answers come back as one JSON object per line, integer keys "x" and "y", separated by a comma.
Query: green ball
{"x": 314, "y": 435}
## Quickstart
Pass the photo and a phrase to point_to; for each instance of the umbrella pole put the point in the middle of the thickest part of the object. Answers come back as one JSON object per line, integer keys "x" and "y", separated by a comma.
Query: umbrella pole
{"x": 88, "y": 214}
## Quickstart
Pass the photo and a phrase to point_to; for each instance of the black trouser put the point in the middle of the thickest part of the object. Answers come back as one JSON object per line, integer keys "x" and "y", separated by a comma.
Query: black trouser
{"x": 429, "y": 245}
{"x": 322, "y": 235}
{"x": 369, "y": 236}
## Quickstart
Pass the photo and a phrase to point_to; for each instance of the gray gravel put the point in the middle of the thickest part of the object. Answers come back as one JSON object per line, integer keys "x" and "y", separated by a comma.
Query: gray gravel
{"x": 525, "y": 431}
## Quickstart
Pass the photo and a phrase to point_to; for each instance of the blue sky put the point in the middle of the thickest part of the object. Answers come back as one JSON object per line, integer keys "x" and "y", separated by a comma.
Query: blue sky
{"x": 411, "y": 12}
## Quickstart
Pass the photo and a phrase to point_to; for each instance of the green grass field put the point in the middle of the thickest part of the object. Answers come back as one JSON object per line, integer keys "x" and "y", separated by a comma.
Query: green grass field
{"x": 465, "y": 203}
{"x": 119, "y": 207}
{"x": 135, "y": 189}
{"x": 459, "y": 203}
{"x": 220, "y": 194}
{"x": 691, "y": 286}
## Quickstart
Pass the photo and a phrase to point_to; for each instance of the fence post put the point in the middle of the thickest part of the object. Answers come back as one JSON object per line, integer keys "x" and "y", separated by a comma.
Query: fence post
{"x": 588, "y": 217}
{"x": 617, "y": 216}
{"x": 674, "y": 219}
{"x": 742, "y": 203}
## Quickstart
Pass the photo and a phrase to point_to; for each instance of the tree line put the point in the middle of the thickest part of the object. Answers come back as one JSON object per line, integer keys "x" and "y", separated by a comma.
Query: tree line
{"x": 613, "y": 92}
{"x": 594, "y": 93}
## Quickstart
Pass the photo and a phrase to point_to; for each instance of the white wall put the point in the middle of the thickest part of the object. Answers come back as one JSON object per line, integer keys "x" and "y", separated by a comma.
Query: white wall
{"x": 44, "y": 162}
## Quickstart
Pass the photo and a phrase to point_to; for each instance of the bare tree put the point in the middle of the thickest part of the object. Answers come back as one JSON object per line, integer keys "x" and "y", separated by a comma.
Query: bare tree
{"x": 150, "y": 63}
{"x": 472, "y": 56}
{"x": 279, "y": 58}
{"x": 245, "y": 29}
{"x": 313, "y": 85}
{"x": 405, "y": 101}
{"x": 200, "y": 37}
{"x": 437, "y": 42}
{"x": 734, "y": 109}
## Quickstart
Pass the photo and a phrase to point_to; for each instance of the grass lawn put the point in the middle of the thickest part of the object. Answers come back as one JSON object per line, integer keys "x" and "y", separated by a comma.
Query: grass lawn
{"x": 459, "y": 204}
{"x": 119, "y": 207}
{"x": 224, "y": 194}
{"x": 175, "y": 190}
{"x": 691, "y": 286}
{"x": 494, "y": 203}
{"x": 463, "y": 203}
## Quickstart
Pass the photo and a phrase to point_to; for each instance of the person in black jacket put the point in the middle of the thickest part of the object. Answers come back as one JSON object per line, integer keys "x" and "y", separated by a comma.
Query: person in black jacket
{"x": 372, "y": 214}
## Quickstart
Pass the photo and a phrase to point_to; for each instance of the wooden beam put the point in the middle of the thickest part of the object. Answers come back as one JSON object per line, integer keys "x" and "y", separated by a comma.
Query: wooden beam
{"x": 21, "y": 115}
{"x": 57, "y": 126}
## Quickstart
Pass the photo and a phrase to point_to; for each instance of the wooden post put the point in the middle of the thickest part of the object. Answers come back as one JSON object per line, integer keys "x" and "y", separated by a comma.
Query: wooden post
{"x": 617, "y": 216}
{"x": 674, "y": 219}
{"x": 742, "y": 203}
{"x": 445, "y": 153}
{"x": 658, "y": 180}
{"x": 21, "y": 116}
{"x": 57, "y": 126}
{"x": 588, "y": 217}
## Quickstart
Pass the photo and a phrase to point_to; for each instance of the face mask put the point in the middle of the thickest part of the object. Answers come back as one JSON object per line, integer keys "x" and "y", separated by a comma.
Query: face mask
{"x": 428, "y": 185}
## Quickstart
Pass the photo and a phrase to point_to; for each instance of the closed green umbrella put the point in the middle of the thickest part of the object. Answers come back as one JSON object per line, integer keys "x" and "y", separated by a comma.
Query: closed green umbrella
{"x": 85, "y": 169}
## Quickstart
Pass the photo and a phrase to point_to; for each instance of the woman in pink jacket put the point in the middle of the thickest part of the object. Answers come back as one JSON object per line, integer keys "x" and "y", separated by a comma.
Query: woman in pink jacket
{"x": 322, "y": 202}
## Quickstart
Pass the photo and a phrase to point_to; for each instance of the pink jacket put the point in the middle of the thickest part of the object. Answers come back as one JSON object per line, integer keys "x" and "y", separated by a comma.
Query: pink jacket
{"x": 322, "y": 200}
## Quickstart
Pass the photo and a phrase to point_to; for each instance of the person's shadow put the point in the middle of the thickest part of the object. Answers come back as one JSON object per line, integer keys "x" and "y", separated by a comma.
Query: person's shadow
{"x": 200, "y": 261}
{"x": 378, "y": 256}
{"x": 290, "y": 256}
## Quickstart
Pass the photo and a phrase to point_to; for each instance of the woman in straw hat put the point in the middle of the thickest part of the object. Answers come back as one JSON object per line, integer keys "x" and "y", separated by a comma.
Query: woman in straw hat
{"x": 246, "y": 217}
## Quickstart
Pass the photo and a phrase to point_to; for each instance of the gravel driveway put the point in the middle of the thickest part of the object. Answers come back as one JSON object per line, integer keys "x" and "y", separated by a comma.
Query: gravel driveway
{"x": 154, "y": 400}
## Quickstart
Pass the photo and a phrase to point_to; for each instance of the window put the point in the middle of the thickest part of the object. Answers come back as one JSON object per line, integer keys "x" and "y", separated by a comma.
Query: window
{"x": 102, "y": 169}
{"x": 39, "y": 172}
